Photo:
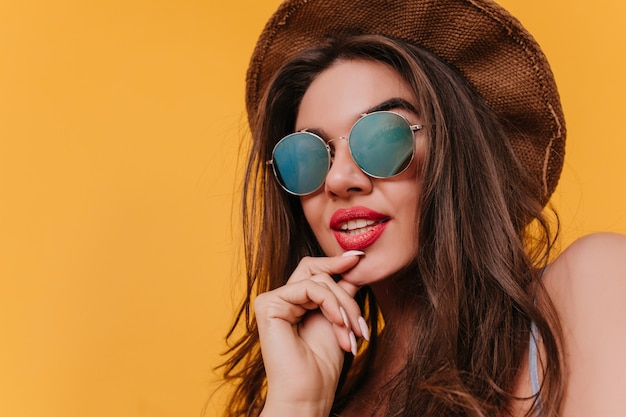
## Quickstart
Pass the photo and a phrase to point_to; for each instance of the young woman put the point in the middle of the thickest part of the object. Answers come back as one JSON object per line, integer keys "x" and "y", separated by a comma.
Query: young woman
{"x": 399, "y": 261}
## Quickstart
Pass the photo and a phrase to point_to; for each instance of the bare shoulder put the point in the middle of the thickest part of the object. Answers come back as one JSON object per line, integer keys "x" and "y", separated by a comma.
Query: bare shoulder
{"x": 590, "y": 273}
{"x": 589, "y": 277}
{"x": 604, "y": 248}
{"x": 587, "y": 284}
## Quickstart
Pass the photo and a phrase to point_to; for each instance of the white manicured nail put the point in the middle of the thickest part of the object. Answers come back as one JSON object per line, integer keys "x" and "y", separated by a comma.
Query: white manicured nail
{"x": 344, "y": 316}
{"x": 364, "y": 329}
{"x": 353, "y": 253}
{"x": 353, "y": 343}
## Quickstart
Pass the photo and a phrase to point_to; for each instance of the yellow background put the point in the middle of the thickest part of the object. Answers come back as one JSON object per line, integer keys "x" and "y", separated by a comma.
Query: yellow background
{"x": 120, "y": 123}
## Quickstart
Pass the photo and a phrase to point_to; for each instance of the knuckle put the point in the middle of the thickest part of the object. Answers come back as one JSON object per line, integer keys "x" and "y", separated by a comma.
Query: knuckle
{"x": 272, "y": 311}
{"x": 307, "y": 263}
{"x": 261, "y": 301}
{"x": 306, "y": 260}
{"x": 267, "y": 307}
{"x": 303, "y": 270}
{"x": 321, "y": 280}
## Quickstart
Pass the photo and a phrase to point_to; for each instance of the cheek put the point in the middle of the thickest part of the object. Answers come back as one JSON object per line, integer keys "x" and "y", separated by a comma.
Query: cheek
{"x": 418, "y": 161}
{"x": 407, "y": 198}
{"x": 313, "y": 211}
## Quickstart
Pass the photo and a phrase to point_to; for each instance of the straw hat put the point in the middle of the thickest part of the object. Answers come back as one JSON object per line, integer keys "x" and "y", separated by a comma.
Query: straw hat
{"x": 482, "y": 40}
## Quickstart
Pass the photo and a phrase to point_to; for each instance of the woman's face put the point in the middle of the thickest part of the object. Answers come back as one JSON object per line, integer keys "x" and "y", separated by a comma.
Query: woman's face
{"x": 379, "y": 214}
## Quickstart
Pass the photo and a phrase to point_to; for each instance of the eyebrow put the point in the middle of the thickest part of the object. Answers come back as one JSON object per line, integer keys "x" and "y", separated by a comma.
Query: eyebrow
{"x": 391, "y": 104}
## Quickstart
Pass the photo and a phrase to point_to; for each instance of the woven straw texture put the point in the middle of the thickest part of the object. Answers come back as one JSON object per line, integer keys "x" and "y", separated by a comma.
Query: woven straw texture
{"x": 478, "y": 37}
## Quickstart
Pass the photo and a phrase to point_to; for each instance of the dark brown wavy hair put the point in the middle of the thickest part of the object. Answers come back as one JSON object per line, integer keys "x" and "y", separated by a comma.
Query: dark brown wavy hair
{"x": 482, "y": 236}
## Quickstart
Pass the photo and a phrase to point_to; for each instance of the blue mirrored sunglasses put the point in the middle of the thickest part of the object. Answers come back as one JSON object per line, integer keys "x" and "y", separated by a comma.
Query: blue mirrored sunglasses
{"x": 381, "y": 143}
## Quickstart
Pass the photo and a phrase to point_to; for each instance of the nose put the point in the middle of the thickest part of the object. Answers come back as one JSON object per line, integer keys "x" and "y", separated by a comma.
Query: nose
{"x": 345, "y": 178}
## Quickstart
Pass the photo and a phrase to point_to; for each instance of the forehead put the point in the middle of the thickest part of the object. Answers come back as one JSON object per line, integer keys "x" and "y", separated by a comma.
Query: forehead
{"x": 345, "y": 90}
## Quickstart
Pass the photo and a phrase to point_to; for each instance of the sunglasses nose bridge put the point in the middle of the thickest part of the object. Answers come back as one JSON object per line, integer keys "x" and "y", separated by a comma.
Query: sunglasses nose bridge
{"x": 330, "y": 145}
{"x": 336, "y": 139}
{"x": 344, "y": 175}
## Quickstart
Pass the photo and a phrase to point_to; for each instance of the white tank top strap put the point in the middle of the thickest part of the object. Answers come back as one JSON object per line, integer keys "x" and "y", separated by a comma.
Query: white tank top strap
{"x": 532, "y": 361}
{"x": 533, "y": 354}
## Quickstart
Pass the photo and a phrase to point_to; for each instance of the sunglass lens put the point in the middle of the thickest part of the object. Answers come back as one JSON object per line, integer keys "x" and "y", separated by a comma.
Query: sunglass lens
{"x": 382, "y": 144}
{"x": 301, "y": 162}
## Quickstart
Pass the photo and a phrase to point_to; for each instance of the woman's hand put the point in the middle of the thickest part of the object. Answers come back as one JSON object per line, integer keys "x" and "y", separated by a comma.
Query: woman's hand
{"x": 304, "y": 328}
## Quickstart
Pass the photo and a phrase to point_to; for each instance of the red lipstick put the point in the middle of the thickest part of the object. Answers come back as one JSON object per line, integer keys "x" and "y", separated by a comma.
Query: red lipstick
{"x": 357, "y": 227}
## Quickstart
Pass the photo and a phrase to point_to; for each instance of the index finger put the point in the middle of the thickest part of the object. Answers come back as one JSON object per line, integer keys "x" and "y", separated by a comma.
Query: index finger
{"x": 310, "y": 266}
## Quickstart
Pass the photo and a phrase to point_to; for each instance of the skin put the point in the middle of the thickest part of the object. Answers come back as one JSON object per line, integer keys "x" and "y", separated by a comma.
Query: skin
{"x": 306, "y": 326}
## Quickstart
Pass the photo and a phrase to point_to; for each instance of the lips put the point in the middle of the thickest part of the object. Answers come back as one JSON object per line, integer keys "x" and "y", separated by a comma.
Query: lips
{"x": 357, "y": 227}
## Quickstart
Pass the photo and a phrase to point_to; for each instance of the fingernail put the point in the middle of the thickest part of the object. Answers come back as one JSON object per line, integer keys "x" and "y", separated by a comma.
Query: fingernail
{"x": 353, "y": 342}
{"x": 353, "y": 253}
{"x": 344, "y": 316}
{"x": 364, "y": 329}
